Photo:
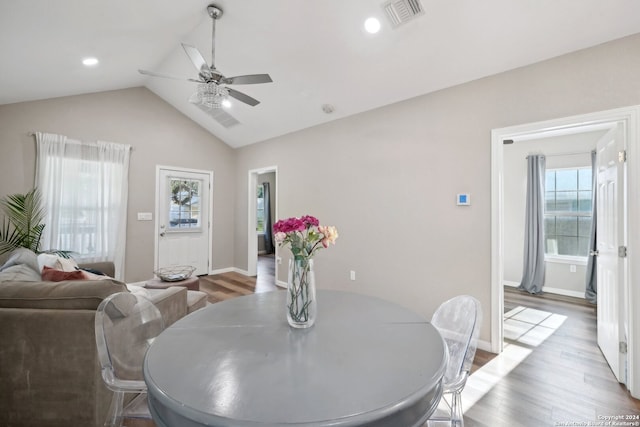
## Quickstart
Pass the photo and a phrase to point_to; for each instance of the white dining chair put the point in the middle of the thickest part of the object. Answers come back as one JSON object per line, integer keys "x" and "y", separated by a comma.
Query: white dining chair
{"x": 458, "y": 321}
{"x": 125, "y": 325}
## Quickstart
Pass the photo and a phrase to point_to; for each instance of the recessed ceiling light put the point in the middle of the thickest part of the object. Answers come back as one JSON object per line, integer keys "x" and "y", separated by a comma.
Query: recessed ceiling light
{"x": 372, "y": 25}
{"x": 226, "y": 103}
{"x": 90, "y": 62}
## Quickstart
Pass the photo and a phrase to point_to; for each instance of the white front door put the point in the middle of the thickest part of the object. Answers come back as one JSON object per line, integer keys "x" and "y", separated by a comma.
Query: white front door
{"x": 610, "y": 237}
{"x": 183, "y": 218}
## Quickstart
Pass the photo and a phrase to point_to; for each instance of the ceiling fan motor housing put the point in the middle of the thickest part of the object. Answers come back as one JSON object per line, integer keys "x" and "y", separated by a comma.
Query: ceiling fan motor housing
{"x": 214, "y": 11}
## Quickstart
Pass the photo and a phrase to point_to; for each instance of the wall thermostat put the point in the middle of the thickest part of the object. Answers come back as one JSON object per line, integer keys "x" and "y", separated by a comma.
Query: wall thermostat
{"x": 463, "y": 199}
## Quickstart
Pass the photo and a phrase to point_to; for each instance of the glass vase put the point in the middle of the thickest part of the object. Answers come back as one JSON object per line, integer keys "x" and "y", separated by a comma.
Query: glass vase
{"x": 301, "y": 294}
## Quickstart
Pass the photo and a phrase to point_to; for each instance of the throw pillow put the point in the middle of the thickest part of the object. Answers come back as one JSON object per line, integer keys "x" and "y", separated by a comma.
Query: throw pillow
{"x": 22, "y": 256}
{"x": 19, "y": 273}
{"x": 57, "y": 262}
{"x": 53, "y": 275}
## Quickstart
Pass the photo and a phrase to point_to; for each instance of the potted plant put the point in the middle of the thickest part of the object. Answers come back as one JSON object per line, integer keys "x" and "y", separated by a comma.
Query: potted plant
{"x": 22, "y": 223}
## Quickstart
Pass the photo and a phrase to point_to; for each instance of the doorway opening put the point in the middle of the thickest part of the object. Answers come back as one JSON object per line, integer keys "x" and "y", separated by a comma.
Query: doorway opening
{"x": 627, "y": 119}
{"x": 262, "y": 213}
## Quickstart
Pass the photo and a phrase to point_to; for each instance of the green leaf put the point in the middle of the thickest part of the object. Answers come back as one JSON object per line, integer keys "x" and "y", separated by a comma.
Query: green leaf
{"x": 22, "y": 223}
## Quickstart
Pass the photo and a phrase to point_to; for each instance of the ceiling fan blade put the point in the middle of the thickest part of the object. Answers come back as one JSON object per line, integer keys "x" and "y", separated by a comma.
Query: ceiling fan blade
{"x": 198, "y": 60}
{"x": 243, "y": 97}
{"x": 248, "y": 79}
{"x": 167, "y": 76}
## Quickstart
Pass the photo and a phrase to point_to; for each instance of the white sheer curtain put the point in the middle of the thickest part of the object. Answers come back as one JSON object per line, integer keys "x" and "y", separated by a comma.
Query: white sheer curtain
{"x": 84, "y": 187}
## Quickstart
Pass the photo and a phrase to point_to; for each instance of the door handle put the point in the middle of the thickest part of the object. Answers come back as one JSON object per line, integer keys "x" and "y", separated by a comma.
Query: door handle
{"x": 162, "y": 234}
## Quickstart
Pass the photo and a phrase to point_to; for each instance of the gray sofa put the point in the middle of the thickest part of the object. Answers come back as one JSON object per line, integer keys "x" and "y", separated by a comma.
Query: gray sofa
{"x": 49, "y": 371}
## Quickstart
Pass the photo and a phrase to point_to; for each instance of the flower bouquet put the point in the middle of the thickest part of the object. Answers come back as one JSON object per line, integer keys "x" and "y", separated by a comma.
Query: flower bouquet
{"x": 305, "y": 236}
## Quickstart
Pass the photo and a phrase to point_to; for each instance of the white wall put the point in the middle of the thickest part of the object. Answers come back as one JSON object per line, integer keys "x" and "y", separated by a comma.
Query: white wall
{"x": 558, "y": 277}
{"x": 388, "y": 178}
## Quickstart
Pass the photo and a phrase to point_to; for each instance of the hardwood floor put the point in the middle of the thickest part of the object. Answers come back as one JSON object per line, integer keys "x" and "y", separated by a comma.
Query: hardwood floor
{"x": 560, "y": 378}
{"x": 220, "y": 287}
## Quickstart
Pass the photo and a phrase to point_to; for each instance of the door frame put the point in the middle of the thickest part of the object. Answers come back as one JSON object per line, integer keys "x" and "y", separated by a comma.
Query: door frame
{"x": 630, "y": 116}
{"x": 252, "y": 239}
{"x": 156, "y": 240}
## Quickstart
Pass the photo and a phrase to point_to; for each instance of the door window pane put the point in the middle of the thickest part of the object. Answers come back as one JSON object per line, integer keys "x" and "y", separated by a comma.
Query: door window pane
{"x": 184, "y": 204}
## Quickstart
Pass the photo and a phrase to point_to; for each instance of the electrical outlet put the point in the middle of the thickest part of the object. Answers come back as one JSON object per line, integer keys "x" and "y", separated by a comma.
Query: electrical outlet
{"x": 572, "y": 268}
{"x": 352, "y": 275}
{"x": 279, "y": 259}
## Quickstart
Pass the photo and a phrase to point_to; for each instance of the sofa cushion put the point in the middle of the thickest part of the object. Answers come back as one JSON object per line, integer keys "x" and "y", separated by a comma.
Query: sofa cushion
{"x": 20, "y": 272}
{"x": 171, "y": 302}
{"x": 54, "y": 275}
{"x": 73, "y": 295}
{"x": 22, "y": 256}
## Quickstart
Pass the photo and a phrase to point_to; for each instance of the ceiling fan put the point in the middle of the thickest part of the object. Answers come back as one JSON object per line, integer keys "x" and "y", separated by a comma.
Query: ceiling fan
{"x": 212, "y": 88}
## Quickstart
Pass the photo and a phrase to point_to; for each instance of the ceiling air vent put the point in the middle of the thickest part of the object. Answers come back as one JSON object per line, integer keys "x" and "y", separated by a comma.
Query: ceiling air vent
{"x": 400, "y": 12}
{"x": 219, "y": 115}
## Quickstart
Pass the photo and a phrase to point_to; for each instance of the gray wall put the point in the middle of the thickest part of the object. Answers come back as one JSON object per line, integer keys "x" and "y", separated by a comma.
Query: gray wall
{"x": 388, "y": 178}
{"x": 159, "y": 134}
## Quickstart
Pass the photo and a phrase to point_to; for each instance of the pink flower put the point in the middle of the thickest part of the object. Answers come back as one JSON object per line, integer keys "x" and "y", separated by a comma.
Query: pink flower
{"x": 330, "y": 234}
{"x": 280, "y": 236}
{"x": 310, "y": 220}
{"x": 289, "y": 225}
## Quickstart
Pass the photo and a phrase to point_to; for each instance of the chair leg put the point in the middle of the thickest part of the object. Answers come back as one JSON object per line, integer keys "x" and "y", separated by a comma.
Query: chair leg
{"x": 457, "y": 419}
{"x": 114, "y": 417}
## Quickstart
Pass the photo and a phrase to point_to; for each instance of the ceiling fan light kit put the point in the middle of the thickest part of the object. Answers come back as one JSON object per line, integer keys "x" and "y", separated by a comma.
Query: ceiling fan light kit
{"x": 212, "y": 95}
{"x": 212, "y": 90}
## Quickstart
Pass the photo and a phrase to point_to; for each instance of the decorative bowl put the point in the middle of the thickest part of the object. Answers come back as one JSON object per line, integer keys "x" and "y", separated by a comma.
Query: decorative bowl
{"x": 175, "y": 273}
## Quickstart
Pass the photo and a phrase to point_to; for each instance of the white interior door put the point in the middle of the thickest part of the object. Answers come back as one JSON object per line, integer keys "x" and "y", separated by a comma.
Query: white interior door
{"x": 610, "y": 237}
{"x": 183, "y": 219}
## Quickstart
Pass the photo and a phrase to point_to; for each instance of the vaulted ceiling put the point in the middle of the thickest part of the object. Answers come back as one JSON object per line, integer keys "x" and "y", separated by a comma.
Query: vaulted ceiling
{"x": 316, "y": 51}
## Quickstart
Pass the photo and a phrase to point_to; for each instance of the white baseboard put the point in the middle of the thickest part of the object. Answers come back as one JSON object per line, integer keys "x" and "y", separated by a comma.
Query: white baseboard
{"x": 484, "y": 345}
{"x": 557, "y": 291}
{"x": 281, "y": 283}
{"x": 229, "y": 270}
{"x": 564, "y": 292}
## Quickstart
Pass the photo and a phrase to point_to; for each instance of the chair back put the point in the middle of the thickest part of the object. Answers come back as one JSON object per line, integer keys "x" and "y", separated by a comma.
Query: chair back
{"x": 126, "y": 325}
{"x": 458, "y": 321}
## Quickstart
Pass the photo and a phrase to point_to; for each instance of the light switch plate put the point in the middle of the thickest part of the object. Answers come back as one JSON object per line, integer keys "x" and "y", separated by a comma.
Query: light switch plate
{"x": 145, "y": 216}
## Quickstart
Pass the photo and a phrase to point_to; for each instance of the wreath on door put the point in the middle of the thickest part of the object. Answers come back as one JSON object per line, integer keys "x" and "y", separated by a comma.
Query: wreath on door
{"x": 178, "y": 192}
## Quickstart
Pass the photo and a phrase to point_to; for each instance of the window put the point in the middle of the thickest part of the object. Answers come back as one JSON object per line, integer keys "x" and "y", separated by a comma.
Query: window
{"x": 84, "y": 194}
{"x": 184, "y": 209}
{"x": 567, "y": 212}
{"x": 260, "y": 209}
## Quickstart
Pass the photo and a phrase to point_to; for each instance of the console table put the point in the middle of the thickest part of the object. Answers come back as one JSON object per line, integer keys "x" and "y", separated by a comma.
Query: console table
{"x": 366, "y": 362}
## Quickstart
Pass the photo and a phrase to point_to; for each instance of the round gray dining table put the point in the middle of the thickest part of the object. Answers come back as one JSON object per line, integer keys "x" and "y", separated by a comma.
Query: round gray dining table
{"x": 365, "y": 362}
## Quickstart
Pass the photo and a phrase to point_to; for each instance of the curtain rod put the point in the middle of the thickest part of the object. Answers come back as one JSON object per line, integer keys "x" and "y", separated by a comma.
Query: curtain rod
{"x": 93, "y": 144}
{"x": 574, "y": 153}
